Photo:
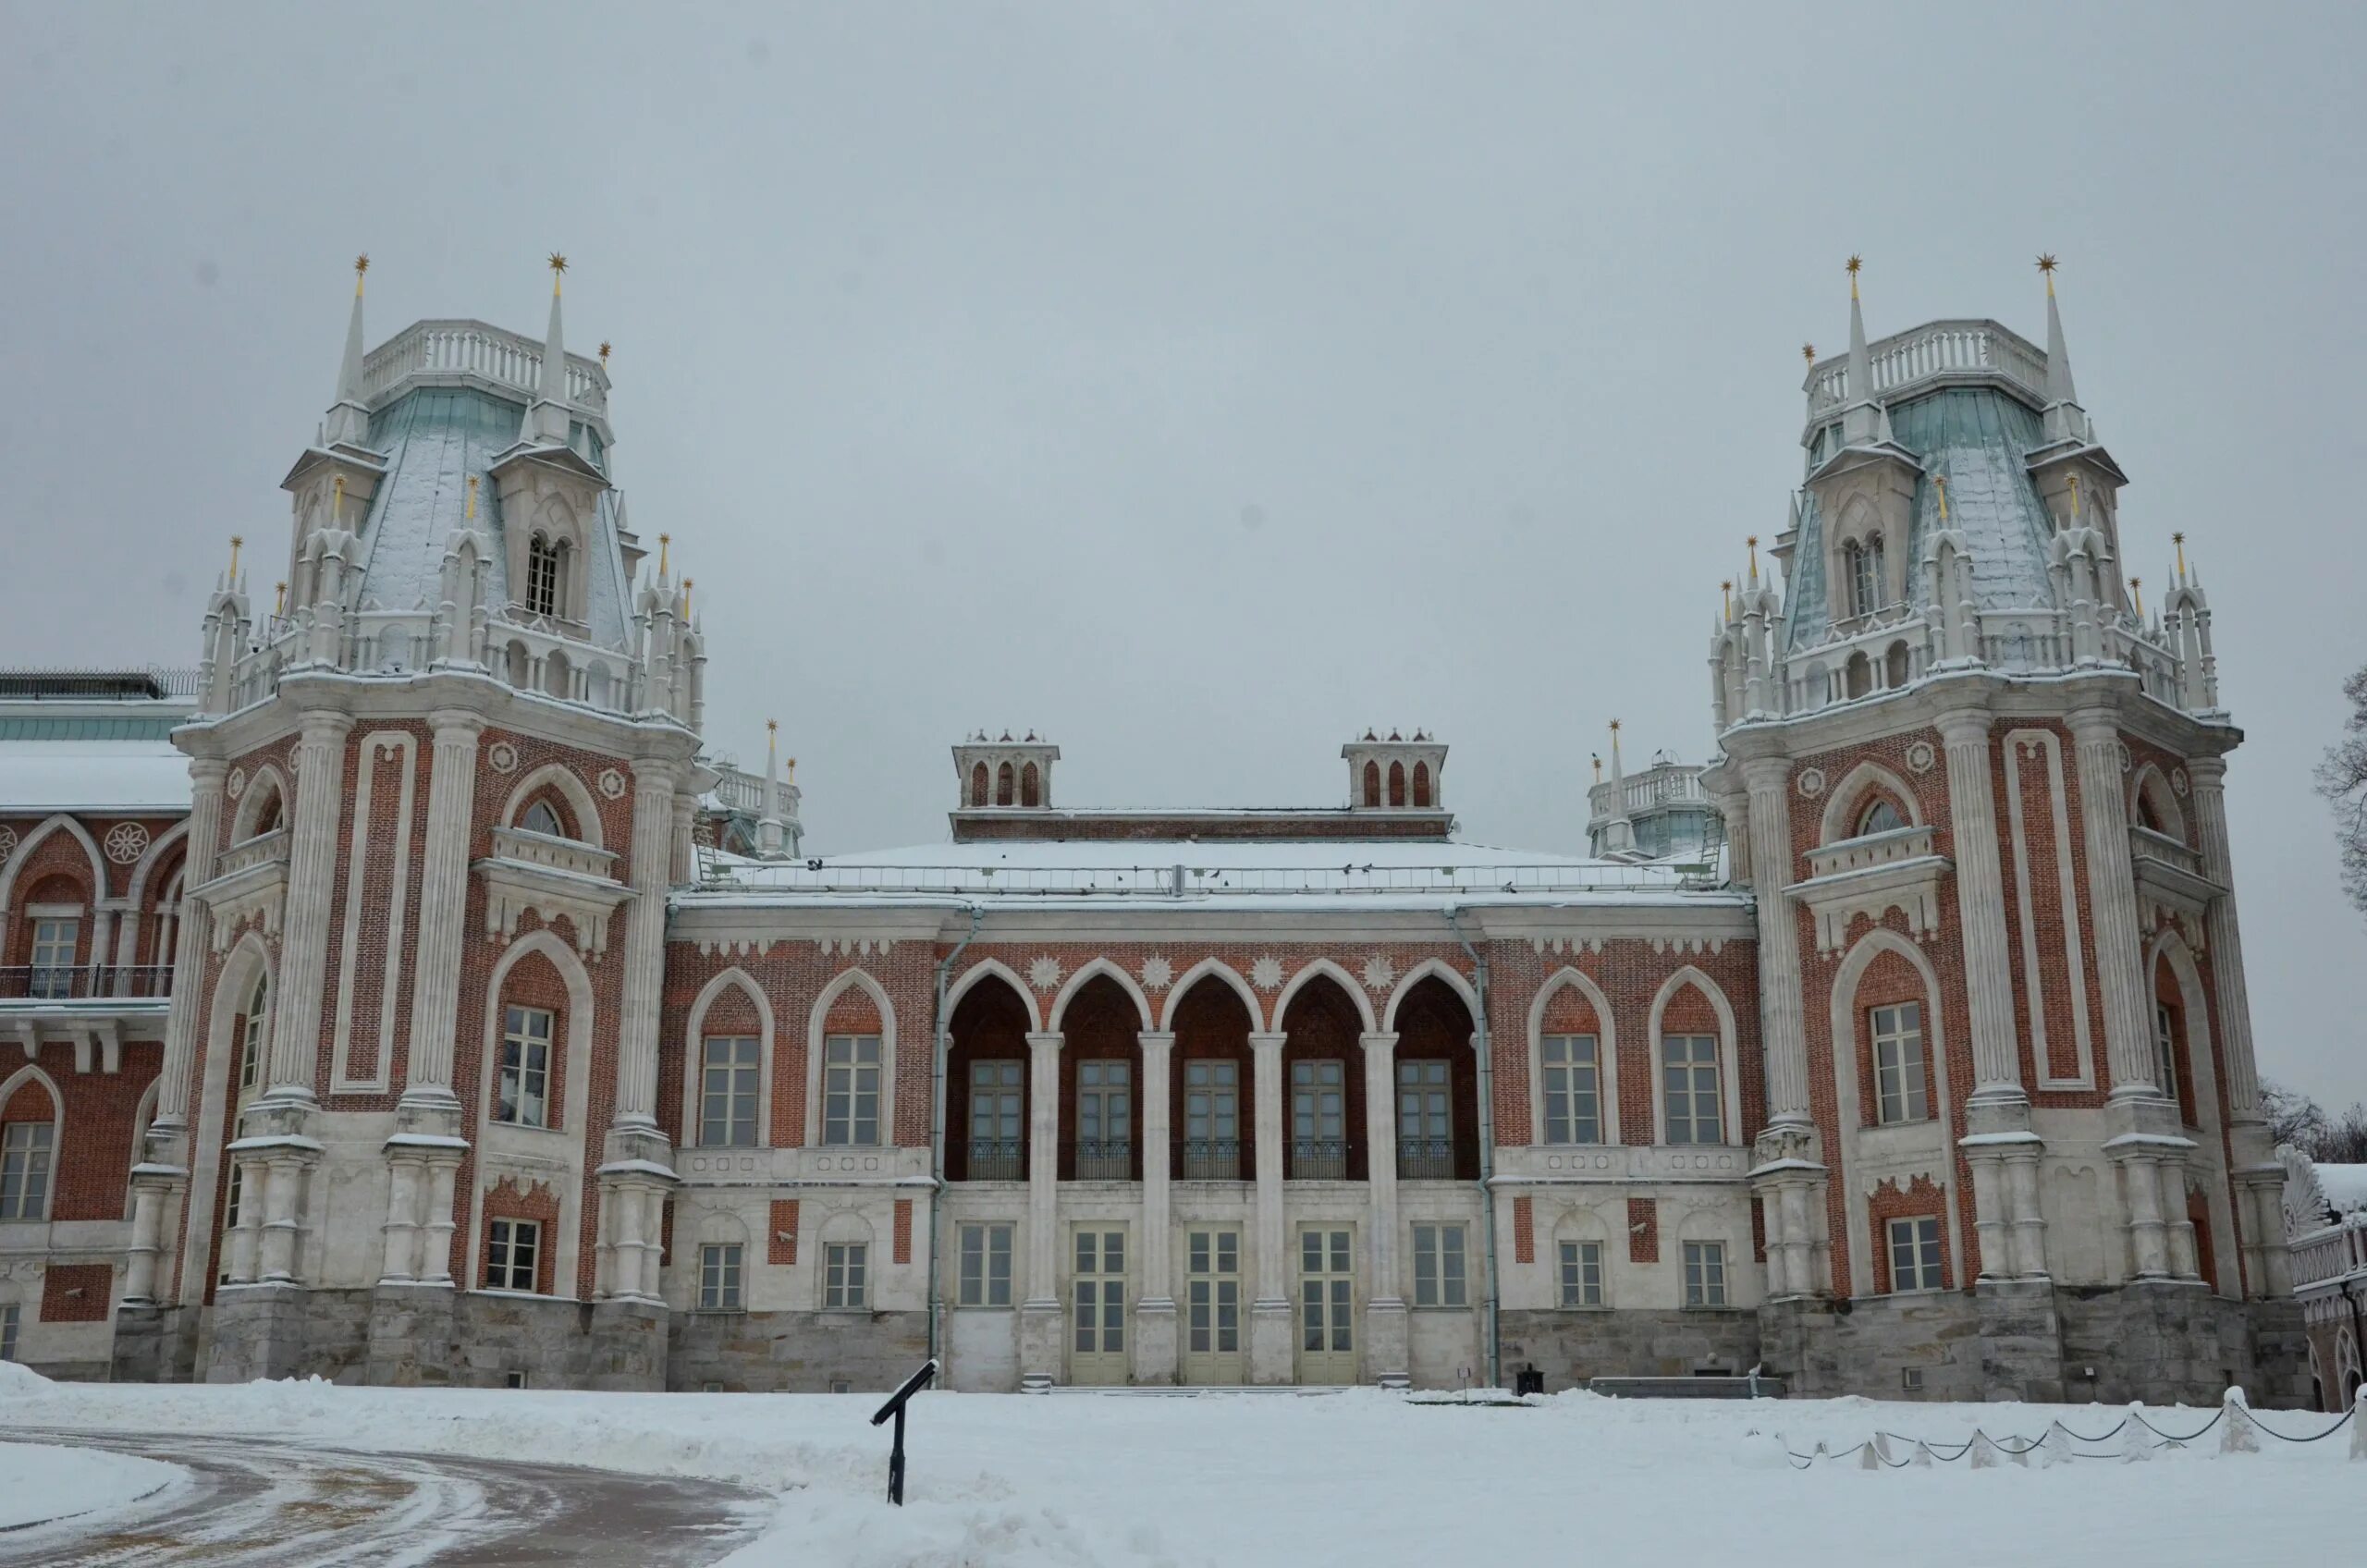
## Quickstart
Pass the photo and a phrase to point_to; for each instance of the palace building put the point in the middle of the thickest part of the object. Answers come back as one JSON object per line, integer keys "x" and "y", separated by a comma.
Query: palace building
{"x": 406, "y": 995}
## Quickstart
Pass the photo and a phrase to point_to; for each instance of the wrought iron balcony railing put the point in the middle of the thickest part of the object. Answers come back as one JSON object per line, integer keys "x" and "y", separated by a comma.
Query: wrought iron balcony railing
{"x": 998, "y": 1159}
{"x": 1104, "y": 1159}
{"x": 1426, "y": 1160}
{"x": 1319, "y": 1159}
{"x": 61, "y": 983}
{"x": 1209, "y": 1160}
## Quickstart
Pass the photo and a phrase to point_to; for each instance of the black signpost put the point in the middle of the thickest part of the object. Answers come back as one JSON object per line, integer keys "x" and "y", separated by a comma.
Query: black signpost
{"x": 895, "y": 1407}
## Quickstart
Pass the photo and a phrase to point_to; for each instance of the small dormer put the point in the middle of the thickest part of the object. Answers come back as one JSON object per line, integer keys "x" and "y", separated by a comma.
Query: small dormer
{"x": 1395, "y": 773}
{"x": 997, "y": 774}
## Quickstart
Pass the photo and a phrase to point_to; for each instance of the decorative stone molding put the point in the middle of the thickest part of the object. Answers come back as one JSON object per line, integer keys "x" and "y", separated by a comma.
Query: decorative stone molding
{"x": 1044, "y": 973}
{"x": 1158, "y": 973}
{"x": 250, "y": 882}
{"x": 126, "y": 842}
{"x": 552, "y": 878}
{"x": 1920, "y": 756}
{"x": 501, "y": 757}
{"x": 2170, "y": 883}
{"x": 1379, "y": 972}
{"x": 612, "y": 784}
{"x": 1870, "y": 876}
{"x": 1811, "y": 782}
{"x": 1267, "y": 972}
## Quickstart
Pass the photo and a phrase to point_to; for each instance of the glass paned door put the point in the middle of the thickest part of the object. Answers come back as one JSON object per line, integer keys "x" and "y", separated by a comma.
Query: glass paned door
{"x": 1327, "y": 1335}
{"x": 1097, "y": 1306}
{"x": 1319, "y": 1121}
{"x": 1212, "y": 1325}
{"x": 1211, "y": 1121}
{"x": 1105, "y": 1125}
{"x": 996, "y": 1152}
{"x": 1425, "y": 1122}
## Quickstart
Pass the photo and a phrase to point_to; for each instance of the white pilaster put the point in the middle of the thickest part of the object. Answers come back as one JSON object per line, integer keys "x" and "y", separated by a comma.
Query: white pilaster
{"x": 1388, "y": 1350}
{"x": 443, "y": 904}
{"x": 1155, "y": 1341}
{"x": 1271, "y": 1360}
{"x": 304, "y": 929}
{"x": 1040, "y": 1316}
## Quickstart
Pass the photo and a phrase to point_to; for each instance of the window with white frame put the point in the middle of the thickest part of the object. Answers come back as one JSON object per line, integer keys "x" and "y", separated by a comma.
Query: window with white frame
{"x": 524, "y": 1098}
{"x": 2166, "y": 1049}
{"x": 8, "y": 1321}
{"x": 986, "y": 1266}
{"x": 512, "y": 1248}
{"x": 1689, "y": 1089}
{"x": 542, "y": 576}
{"x": 1915, "y": 1254}
{"x": 996, "y": 1107}
{"x": 1902, "y": 1085}
{"x": 1438, "y": 1266}
{"x": 728, "y": 1093}
{"x": 233, "y": 1193}
{"x": 843, "y": 1285}
{"x": 543, "y": 817}
{"x": 1704, "y": 1273}
{"x": 1573, "y": 1088}
{"x": 1581, "y": 1273}
{"x": 719, "y": 1276}
{"x": 851, "y": 1089}
{"x": 251, "y": 1039}
{"x": 54, "y": 939}
{"x": 1104, "y": 1120}
{"x": 24, "y": 1170}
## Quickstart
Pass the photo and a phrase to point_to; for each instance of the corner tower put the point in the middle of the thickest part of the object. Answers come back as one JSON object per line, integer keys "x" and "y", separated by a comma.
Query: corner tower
{"x": 1979, "y": 794}
{"x": 441, "y": 793}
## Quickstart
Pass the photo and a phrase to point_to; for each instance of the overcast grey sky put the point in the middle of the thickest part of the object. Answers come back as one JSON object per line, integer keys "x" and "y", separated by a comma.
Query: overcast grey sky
{"x": 1202, "y": 383}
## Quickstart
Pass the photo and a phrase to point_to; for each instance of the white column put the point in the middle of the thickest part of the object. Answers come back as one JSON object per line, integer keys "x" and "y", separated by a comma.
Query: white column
{"x": 282, "y": 1195}
{"x": 1155, "y": 1339}
{"x": 2112, "y": 905}
{"x": 443, "y": 905}
{"x": 164, "y": 1161}
{"x": 1980, "y": 907}
{"x": 436, "y": 1230}
{"x": 1270, "y": 1312}
{"x": 399, "y": 1262}
{"x": 147, "y": 1225}
{"x": 2148, "y": 1240}
{"x": 1040, "y": 1317}
{"x": 304, "y": 925}
{"x": 2022, "y": 1202}
{"x": 652, "y": 851}
{"x": 1387, "y": 1351}
{"x": 1779, "y": 941}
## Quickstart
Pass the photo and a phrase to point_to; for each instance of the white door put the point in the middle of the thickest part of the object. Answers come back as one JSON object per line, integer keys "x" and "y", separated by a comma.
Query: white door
{"x": 1327, "y": 1339}
{"x": 1097, "y": 1306}
{"x": 1212, "y": 1305}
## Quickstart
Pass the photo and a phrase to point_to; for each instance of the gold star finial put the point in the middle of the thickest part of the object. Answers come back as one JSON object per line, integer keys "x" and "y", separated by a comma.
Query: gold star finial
{"x": 1807, "y": 352}
{"x": 1726, "y": 598}
{"x": 663, "y": 540}
{"x": 2137, "y": 591}
{"x": 1753, "y": 542}
{"x": 236, "y": 540}
{"x": 772, "y": 727}
{"x": 604, "y": 351}
{"x": 1853, "y": 264}
{"x": 2047, "y": 264}
{"x": 558, "y": 267}
{"x": 279, "y": 598}
{"x": 1614, "y": 727}
{"x": 2179, "y": 540}
{"x": 361, "y": 265}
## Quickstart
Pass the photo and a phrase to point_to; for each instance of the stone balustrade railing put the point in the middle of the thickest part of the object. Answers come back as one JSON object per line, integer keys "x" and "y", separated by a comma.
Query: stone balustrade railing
{"x": 2331, "y": 1253}
{"x": 555, "y": 854}
{"x": 1932, "y": 353}
{"x": 255, "y": 851}
{"x": 472, "y": 352}
{"x": 1867, "y": 852}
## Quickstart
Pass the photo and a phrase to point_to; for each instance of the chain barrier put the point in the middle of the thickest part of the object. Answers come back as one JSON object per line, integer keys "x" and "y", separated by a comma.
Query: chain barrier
{"x": 2030, "y": 1445}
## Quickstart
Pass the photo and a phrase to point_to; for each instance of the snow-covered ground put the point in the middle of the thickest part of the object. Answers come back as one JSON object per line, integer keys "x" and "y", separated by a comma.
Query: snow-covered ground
{"x": 1359, "y": 1477}
{"x": 40, "y": 1482}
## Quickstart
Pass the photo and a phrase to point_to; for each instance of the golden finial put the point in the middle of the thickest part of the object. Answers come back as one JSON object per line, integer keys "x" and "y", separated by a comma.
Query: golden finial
{"x": 1614, "y": 727}
{"x": 1753, "y": 542}
{"x": 792, "y": 770}
{"x": 2179, "y": 540}
{"x": 1855, "y": 262}
{"x": 1726, "y": 596}
{"x": 2075, "y": 495}
{"x": 1807, "y": 352}
{"x": 279, "y": 598}
{"x": 772, "y": 727}
{"x": 1597, "y": 759}
{"x": 337, "y": 501}
{"x": 361, "y": 265}
{"x": 603, "y": 351}
{"x": 2046, "y": 265}
{"x": 1940, "y": 484}
{"x": 687, "y": 586}
{"x": 473, "y": 496}
{"x": 558, "y": 265}
{"x": 236, "y": 540}
{"x": 663, "y": 540}
{"x": 2137, "y": 591}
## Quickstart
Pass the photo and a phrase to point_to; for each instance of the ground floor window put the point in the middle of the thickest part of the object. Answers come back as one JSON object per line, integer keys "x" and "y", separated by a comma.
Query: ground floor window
{"x": 511, "y": 1251}
{"x": 1438, "y": 1266}
{"x": 8, "y": 1319}
{"x": 986, "y": 1266}
{"x": 843, "y": 1285}
{"x": 719, "y": 1276}
{"x": 1915, "y": 1254}
{"x": 24, "y": 1170}
{"x": 1705, "y": 1274}
{"x": 1581, "y": 1273}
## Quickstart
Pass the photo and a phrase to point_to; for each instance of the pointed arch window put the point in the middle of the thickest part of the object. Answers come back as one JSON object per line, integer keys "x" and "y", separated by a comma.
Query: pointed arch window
{"x": 541, "y": 817}
{"x": 250, "y": 1038}
{"x": 1030, "y": 785}
{"x": 1880, "y": 817}
{"x": 1003, "y": 785}
{"x": 1864, "y": 563}
{"x": 1372, "y": 783}
{"x": 978, "y": 785}
{"x": 1397, "y": 784}
{"x": 542, "y": 561}
{"x": 1422, "y": 785}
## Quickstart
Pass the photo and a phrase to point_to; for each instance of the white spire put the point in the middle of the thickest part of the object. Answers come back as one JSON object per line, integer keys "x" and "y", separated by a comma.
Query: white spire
{"x": 547, "y": 421}
{"x": 2058, "y": 357}
{"x": 1862, "y": 420}
{"x": 348, "y": 420}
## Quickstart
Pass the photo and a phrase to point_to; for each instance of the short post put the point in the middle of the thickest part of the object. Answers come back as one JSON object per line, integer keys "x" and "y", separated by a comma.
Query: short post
{"x": 895, "y": 1407}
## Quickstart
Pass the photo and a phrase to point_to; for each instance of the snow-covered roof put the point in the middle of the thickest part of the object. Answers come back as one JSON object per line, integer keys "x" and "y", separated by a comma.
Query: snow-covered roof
{"x": 92, "y": 776}
{"x": 1229, "y": 873}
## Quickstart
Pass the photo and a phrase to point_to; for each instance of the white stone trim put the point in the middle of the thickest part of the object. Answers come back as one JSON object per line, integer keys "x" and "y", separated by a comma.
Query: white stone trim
{"x": 1086, "y": 972}
{"x": 157, "y": 849}
{"x": 1841, "y": 807}
{"x": 695, "y": 1055}
{"x": 61, "y": 823}
{"x": 405, "y": 748}
{"x": 2201, "y": 1058}
{"x": 816, "y": 1032}
{"x": 569, "y": 786}
{"x": 979, "y": 971}
{"x": 1606, "y": 1051}
{"x": 2051, "y": 745}
{"x": 1415, "y": 976}
{"x": 1348, "y": 983}
{"x": 1864, "y": 1173}
{"x": 252, "y": 799}
{"x": 1191, "y": 976}
{"x": 31, "y": 1073}
{"x": 2166, "y": 801}
{"x": 529, "y": 1154}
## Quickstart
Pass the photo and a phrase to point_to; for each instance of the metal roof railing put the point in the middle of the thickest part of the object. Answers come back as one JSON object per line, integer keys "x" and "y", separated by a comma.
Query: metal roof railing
{"x": 1185, "y": 881}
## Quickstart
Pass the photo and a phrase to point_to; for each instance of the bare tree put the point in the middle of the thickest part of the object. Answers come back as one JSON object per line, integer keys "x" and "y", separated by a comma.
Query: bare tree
{"x": 2294, "y": 1118}
{"x": 2342, "y": 779}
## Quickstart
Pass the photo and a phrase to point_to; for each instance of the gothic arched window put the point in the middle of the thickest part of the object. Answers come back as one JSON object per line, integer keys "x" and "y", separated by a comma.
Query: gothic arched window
{"x": 1880, "y": 817}
{"x": 1372, "y": 783}
{"x": 541, "y": 575}
{"x": 1029, "y": 785}
{"x": 1397, "y": 784}
{"x": 1003, "y": 785}
{"x": 541, "y": 818}
{"x": 1422, "y": 785}
{"x": 978, "y": 785}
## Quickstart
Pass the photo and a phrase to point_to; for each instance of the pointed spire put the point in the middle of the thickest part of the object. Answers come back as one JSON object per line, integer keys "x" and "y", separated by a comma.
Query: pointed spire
{"x": 2179, "y": 540}
{"x": 348, "y": 420}
{"x": 547, "y": 422}
{"x": 1861, "y": 374}
{"x": 1753, "y": 542}
{"x": 2059, "y": 387}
